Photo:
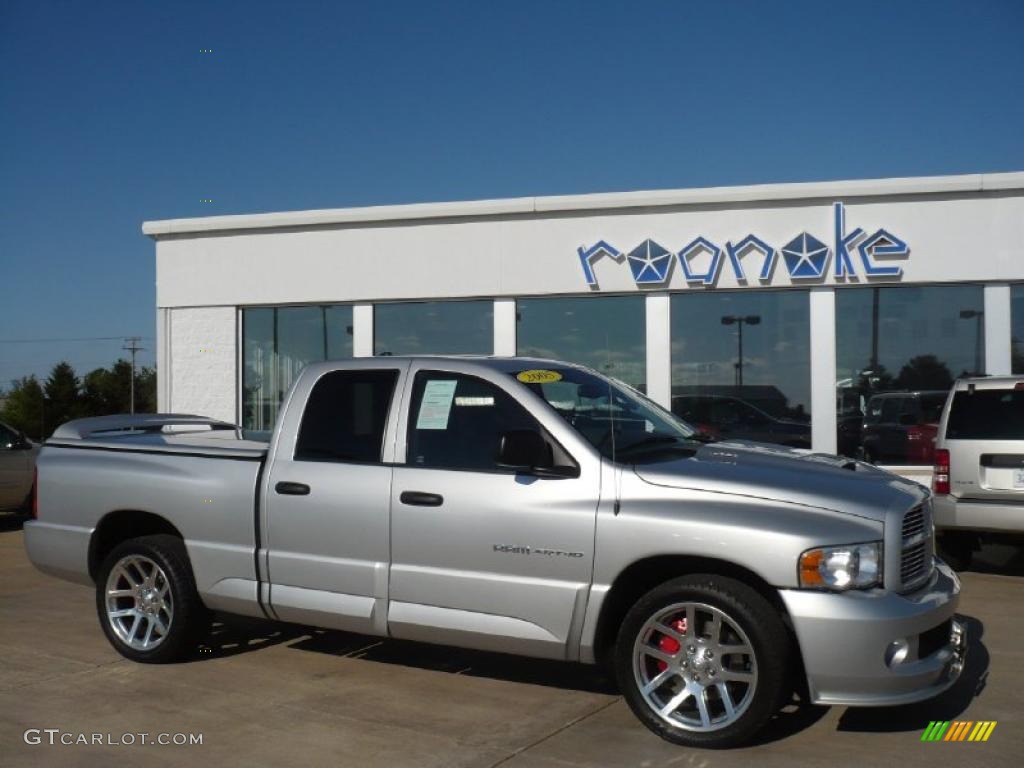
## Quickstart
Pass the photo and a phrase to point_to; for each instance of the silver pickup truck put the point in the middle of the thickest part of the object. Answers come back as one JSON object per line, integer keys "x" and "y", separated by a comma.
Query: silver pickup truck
{"x": 517, "y": 505}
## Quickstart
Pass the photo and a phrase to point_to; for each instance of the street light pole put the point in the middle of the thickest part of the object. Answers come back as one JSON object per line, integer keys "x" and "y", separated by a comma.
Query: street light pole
{"x": 740, "y": 321}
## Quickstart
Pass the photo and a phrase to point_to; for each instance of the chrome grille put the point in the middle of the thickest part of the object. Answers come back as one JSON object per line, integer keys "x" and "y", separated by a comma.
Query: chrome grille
{"x": 917, "y": 547}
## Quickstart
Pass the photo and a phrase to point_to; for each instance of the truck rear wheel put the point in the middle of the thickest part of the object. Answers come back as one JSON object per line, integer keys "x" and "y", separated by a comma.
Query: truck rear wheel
{"x": 146, "y": 600}
{"x": 703, "y": 661}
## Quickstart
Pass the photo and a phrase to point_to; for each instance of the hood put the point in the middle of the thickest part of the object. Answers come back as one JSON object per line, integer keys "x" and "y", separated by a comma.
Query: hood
{"x": 788, "y": 475}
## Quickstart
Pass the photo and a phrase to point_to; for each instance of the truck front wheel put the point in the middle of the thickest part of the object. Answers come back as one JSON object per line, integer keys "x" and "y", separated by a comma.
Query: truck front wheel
{"x": 146, "y": 599}
{"x": 703, "y": 661}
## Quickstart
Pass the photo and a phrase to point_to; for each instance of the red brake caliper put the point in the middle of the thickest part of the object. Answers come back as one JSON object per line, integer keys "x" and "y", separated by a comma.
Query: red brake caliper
{"x": 669, "y": 644}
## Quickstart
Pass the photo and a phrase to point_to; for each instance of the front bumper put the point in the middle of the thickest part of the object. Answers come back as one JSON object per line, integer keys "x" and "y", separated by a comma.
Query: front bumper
{"x": 880, "y": 648}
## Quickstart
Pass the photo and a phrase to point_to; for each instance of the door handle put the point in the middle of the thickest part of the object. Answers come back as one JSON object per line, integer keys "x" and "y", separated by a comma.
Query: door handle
{"x": 421, "y": 499}
{"x": 292, "y": 489}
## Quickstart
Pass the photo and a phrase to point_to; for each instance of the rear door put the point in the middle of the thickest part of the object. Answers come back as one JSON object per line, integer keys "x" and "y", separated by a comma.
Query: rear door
{"x": 327, "y": 500}
{"x": 985, "y": 438}
{"x": 481, "y": 556}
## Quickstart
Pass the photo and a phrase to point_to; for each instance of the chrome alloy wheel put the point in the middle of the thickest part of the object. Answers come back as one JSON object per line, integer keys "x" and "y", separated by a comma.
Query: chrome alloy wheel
{"x": 695, "y": 667}
{"x": 139, "y": 604}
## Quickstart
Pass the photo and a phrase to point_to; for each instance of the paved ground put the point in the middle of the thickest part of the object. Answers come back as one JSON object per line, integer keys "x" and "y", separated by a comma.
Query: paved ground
{"x": 267, "y": 694}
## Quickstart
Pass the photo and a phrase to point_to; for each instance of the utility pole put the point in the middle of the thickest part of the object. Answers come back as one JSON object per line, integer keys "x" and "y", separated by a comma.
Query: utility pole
{"x": 132, "y": 345}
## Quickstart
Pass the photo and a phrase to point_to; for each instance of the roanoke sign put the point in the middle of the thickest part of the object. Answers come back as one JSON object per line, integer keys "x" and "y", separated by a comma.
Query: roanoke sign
{"x": 805, "y": 257}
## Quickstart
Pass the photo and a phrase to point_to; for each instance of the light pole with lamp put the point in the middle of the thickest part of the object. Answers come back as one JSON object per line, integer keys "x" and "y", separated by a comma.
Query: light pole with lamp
{"x": 740, "y": 321}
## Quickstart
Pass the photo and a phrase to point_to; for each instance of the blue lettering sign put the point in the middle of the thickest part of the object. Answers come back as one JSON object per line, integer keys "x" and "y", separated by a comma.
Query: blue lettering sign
{"x": 806, "y": 257}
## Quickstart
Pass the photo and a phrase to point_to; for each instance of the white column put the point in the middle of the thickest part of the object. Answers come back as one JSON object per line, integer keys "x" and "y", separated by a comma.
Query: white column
{"x": 362, "y": 330}
{"x": 163, "y": 360}
{"x": 505, "y": 327}
{"x": 659, "y": 348}
{"x": 823, "y": 370}
{"x": 998, "y": 337}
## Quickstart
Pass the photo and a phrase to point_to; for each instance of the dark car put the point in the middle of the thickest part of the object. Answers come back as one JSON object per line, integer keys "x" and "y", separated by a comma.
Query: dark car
{"x": 725, "y": 418}
{"x": 900, "y": 427}
{"x": 17, "y": 469}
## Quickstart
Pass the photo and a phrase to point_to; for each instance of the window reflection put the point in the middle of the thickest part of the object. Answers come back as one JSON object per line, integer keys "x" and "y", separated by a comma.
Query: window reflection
{"x": 606, "y": 333}
{"x": 1017, "y": 327}
{"x": 277, "y": 342}
{"x": 898, "y": 351}
{"x": 741, "y": 365}
{"x": 434, "y": 327}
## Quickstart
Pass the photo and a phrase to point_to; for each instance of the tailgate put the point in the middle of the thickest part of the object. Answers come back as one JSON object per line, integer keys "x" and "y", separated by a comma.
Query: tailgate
{"x": 985, "y": 439}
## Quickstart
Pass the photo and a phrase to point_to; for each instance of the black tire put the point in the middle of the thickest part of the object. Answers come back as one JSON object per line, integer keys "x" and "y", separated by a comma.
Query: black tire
{"x": 190, "y": 617}
{"x": 752, "y": 613}
{"x": 957, "y": 548}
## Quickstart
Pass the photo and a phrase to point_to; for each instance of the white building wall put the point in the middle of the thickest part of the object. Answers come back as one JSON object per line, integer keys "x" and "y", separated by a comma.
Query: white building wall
{"x": 203, "y": 362}
{"x": 951, "y": 241}
{"x": 959, "y": 229}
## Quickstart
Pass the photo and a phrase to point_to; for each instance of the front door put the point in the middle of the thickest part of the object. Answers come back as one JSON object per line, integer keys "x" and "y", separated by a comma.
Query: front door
{"x": 327, "y": 505}
{"x": 481, "y": 556}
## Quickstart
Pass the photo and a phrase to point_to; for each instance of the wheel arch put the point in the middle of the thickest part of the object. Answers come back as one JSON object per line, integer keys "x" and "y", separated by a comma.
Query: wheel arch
{"x": 645, "y": 574}
{"x": 121, "y": 525}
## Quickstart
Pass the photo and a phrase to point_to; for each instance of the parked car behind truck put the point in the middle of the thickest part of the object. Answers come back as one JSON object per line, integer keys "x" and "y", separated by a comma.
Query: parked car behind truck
{"x": 979, "y": 464}
{"x": 516, "y": 505}
{"x": 17, "y": 469}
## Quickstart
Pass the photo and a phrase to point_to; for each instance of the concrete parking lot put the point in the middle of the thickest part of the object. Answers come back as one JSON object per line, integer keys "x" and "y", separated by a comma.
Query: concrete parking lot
{"x": 267, "y": 694}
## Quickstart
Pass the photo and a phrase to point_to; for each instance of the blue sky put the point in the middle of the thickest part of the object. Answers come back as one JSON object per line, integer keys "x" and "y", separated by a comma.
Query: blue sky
{"x": 110, "y": 114}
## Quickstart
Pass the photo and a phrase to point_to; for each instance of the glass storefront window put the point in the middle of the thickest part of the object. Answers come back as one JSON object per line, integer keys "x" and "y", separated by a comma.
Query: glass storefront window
{"x": 434, "y": 327}
{"x": 741, "y": 364}
{"x": 898, "y": 351}
{"x": 277, "y": 342}
{"x": 1017, "y": 328}
{"x": 259, "y": 369}
{"x": 607, "y": 333}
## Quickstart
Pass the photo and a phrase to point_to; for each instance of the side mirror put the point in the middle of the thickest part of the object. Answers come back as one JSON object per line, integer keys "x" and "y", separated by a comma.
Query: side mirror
{"x": 523, "y": 450}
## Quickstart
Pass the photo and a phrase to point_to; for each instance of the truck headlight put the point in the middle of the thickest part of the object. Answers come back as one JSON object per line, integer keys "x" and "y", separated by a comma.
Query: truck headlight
{"x": 853, "y": 566}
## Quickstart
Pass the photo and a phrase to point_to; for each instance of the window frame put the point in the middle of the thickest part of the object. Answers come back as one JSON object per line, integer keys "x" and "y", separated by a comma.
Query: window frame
{"x": 395, "y": 389}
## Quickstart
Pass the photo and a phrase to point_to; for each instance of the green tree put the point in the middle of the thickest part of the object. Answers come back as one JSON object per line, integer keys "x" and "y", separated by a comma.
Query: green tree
{"x": 25, "y": 407}
{"x": 924, "y": 372}
{"x": 63, "y": 401}
{"x": 107, "y": 391}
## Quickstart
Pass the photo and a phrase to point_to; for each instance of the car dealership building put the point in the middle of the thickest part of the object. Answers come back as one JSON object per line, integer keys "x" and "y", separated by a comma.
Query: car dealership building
{"x": 774, "y": 312}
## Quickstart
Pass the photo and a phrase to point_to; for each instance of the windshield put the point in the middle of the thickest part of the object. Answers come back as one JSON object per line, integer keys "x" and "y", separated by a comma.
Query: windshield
{"x": 610, "y": 415}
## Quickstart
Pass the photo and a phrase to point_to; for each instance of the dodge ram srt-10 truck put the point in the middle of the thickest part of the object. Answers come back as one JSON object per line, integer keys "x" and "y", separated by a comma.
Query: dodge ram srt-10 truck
{"x": 517, "y": 505}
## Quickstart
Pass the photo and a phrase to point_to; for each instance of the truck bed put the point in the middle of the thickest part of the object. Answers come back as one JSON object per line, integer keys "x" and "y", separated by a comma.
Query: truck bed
{"x": 199, "y": 473}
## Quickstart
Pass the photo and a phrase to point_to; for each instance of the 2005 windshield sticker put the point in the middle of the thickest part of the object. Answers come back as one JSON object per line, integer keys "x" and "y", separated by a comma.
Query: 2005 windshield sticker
{"x": 538, "y": 377}
{"x": 436, "y": 404}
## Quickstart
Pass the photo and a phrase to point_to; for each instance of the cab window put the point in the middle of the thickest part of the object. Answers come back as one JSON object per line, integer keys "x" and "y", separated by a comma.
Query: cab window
{"x": 457, "y": 421}
{"x": 345, "y": 417}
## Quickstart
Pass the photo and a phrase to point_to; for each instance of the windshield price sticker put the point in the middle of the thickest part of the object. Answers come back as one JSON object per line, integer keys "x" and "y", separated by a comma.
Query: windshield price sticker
{"x": 538, "y": 377}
